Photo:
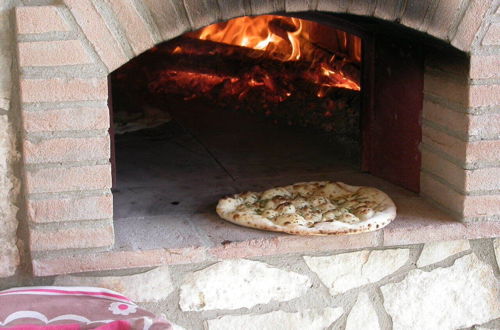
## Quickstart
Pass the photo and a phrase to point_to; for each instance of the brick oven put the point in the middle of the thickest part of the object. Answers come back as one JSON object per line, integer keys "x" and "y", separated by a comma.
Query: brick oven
{"x": 446, "y": 186}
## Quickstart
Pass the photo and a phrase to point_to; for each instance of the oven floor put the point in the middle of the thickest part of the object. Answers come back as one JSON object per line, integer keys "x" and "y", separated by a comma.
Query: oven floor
{"x": 169, "y": 181}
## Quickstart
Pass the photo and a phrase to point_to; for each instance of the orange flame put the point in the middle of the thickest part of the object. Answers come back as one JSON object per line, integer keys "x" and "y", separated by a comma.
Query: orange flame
{"x": 290, "y": 39}
{"x": 294, "y": 53}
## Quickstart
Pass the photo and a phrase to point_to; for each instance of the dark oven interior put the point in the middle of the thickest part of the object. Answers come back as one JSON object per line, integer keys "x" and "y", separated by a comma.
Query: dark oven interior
{"x": 260, "y": 101}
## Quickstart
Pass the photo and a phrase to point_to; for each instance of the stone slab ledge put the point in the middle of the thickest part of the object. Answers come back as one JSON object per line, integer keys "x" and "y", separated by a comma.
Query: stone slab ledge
{"x": 407, "y": 229}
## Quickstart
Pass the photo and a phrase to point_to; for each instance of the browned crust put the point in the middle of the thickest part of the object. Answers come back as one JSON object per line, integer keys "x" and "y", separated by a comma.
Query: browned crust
{"x": 378, "y": 221}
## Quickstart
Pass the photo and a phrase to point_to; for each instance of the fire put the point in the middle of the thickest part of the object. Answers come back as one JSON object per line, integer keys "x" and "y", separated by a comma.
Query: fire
{"x": 285, "y": 38}
{"x": 264, "y": 57}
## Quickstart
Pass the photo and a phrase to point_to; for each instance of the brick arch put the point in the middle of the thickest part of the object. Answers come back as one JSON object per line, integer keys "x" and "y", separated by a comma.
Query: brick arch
{"x": 126, "y": 29}
{"x": 66, "y": 51}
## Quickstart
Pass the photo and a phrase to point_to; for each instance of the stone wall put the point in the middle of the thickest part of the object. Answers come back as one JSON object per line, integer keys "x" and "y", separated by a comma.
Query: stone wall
{"x": 445, "y": 285}
{"x": 9, "y": 183}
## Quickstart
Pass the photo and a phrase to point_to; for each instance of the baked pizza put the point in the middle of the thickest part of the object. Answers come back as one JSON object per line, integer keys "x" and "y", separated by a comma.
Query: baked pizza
{"x": 311, "y": 208}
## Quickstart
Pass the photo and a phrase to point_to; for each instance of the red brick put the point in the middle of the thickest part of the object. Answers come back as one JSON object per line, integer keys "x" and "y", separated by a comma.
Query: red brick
{"x": 443, "y": 17}
{"x": 97, "y": 33}
{"x": 487, "y": 66}
{"x": 361, "y": 7}
{"x": 66, "y": 150}
{"x": 484, "y": 125}
{"x": 134, "y": 26}
{"x": 445, "y": 117}
{"x": 72, "y": 119}
{"x": 333, "y": 6}
{"x": 446, "y": 87}
{"x": 290, "y": 5}
{"x": 484, "y": 95}
{"x": 443, "y": 142}
{"x": 71, "y": 209}
{"x": 492, "y": 36}
{"x": 419, "y": 222}
{"x": 60, "y": 89}
{"x": 45, "y": 266}
{"x": 169, "y": 16}
{"x": 414, "y": 13}
{"x": 481, "y": 206}
{"x": 231, "y": 9}
{"x": 427, "y": 224}
{"x": 444, "y": 169}
{"x": 53, "y": 53}
{"x": 441, "y": 193}
{"x": 203, "y": 13}
{"x": 39, "y": 19}
{"x": 72, "y": 238}
{"x": 470, "y": 24}
{"x": 485, "y": 151}
{"x": 482, "y": 179}
{"x": 387, "y": 10}
{"x": 449, "y": 61}
{"x": 61, "y": 179}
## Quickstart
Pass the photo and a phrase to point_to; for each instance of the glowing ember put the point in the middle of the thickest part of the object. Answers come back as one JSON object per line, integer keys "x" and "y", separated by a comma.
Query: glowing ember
{"x": 327, "y": 57}
{"x": 293, "y": 71}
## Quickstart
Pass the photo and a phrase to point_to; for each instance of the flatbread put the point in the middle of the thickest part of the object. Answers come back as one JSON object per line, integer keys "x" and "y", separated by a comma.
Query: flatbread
{"x": 311, "y": 208}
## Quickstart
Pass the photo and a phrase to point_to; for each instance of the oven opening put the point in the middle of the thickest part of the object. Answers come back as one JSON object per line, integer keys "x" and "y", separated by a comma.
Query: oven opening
{"x": 249, "y": 104}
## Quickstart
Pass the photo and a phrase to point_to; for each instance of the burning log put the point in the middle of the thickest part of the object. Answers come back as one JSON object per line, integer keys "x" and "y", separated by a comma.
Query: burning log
{"x": 315, "y": 93}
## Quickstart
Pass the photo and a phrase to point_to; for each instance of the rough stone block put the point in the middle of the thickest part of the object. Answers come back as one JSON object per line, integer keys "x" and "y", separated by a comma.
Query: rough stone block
{"x": 436, "y": 251}
{"x": 61, "y": 179}
{"x": 61, "y": 89}
{"x": 53, "y": 53}
{"x": 467, "y": 293}
{"x": 39, "y": 19}
{"x": 78, "y": 237}
{"x": 343, "y": 272}
{"x": 71, "y": 208}
{"x": 234, "y": 284}
{"x": 311, "y": 319}
{"x": 496, "y": 241}
{"x": 150, "y": 286}
{"x": 66, "y": 150}
{"x": 134, "y": 25}
{"x": 362, "y": 315}
{"x": 71, "y": 119}
{"x": 96, "y": 31}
